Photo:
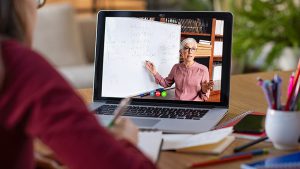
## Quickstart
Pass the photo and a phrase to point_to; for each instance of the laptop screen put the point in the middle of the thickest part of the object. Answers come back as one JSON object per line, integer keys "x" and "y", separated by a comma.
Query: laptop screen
{"x": 163, "y": 58}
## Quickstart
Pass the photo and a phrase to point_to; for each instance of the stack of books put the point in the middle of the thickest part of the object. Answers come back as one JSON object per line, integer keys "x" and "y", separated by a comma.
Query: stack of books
{"x": 203, "y": 48}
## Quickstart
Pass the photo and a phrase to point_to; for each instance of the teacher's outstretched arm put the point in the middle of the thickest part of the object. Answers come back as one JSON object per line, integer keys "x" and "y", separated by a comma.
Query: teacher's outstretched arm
{"x": 164, "y": 82}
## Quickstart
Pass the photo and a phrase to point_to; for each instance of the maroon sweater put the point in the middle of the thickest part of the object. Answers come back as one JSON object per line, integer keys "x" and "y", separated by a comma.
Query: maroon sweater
{"x": 35, "y": 101}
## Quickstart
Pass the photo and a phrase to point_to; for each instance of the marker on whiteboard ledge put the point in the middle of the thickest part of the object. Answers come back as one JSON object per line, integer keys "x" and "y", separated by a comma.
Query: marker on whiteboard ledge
{"x": 144, "y": 94}
{"x": 160, "y": 89}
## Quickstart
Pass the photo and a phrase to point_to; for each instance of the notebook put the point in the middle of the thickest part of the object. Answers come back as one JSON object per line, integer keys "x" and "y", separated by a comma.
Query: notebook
{"x": 150, "y": 143}
{"x": 212, "y": 142}
{"x": 127, "y": 39}
{"x": 214, "y": 148}
{"x": 290, "y": 161}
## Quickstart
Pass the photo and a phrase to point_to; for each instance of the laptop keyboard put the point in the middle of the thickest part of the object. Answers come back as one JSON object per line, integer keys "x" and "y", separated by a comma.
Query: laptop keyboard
{"x": 155, "y": 112}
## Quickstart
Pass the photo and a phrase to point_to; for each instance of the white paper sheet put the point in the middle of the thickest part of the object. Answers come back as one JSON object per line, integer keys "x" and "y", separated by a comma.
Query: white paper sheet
{"x": 178, "y": 141}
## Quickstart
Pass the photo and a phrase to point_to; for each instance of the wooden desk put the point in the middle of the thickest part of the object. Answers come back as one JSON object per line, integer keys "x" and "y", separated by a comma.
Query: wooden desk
{"x": 244, "y": 95}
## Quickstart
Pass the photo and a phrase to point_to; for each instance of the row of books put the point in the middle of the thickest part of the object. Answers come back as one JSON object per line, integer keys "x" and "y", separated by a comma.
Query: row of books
{"x": 148, "y": 18}
{"x": 191, "y": 25}
{"x": 203, "y": 50}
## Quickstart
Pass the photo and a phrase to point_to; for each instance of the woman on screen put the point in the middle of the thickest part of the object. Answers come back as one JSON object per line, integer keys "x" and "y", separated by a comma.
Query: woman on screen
{"x": 191, "y": 78}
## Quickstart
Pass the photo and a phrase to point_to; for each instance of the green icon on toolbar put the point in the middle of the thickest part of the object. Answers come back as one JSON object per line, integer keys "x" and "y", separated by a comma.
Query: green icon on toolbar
{"x": 164, "y": 94}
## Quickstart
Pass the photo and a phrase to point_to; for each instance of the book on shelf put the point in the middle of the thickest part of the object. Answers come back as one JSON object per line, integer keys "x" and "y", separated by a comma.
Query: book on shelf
{"x": 219, "y": 27}
{"x": 217, "y": 73}
{"x": 203, "y": 49}
{"x": 218, "y": 48}
{"x": 202, "y": 52}
{"x": 148, "y": 18}
{"x": 204, "y": 42}
{"x": 204, "y": 46}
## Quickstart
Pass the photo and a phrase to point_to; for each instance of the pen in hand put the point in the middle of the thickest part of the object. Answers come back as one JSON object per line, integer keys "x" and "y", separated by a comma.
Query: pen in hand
{"x": 120, "y": 110}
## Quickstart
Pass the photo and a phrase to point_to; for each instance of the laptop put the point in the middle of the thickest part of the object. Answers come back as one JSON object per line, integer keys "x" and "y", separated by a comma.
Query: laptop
{"x": 172, "y": 101}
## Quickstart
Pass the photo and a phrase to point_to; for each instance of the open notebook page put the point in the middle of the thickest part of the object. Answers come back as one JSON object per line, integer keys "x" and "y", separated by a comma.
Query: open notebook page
{"x": 179, "y": 141}
{"x": 150, "y": 143}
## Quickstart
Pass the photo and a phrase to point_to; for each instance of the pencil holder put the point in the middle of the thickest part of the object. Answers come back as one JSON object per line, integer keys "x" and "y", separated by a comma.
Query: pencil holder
{"x": 283, "y": 129}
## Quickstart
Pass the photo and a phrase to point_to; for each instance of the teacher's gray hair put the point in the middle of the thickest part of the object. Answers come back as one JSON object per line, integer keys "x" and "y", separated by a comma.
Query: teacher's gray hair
{"x": 187, "y": 40}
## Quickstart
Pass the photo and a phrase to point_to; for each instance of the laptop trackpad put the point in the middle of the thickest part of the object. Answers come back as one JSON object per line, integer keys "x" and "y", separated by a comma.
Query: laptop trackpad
{"x": 145, "y": 122}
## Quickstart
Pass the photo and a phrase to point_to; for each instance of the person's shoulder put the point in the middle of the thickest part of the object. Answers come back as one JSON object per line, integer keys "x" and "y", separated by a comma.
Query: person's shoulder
{"x": 17, "y": 54}
{"x": 200, "y": 66}
{"x": 177, "y": 65}
{"x": 13, "y": 47}
{"x": 22, "y": 61}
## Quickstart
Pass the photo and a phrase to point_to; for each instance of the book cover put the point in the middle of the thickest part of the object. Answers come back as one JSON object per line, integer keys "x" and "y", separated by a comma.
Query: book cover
{"x": 290, "y": 161}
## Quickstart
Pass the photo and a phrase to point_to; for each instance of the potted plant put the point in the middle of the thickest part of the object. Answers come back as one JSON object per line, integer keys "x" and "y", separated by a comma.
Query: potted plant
{"x": 264, "y": 32}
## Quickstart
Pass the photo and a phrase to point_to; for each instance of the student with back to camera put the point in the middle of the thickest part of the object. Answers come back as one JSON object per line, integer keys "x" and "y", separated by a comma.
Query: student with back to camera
{"x": 191, "y": 78}
{"x": 36, "y": 102}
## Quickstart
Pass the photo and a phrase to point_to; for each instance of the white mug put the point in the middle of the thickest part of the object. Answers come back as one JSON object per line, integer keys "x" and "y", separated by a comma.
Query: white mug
{"x": 283, "y": 129}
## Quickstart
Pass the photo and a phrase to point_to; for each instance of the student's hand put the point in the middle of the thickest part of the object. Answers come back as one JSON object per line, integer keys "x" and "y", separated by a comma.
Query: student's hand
{"x": 45, "y": 157}
{"x": 43, "y": 162}
{"x": 125, "y": 129}
{"x": 150, "y": 66}
{"x": 205, "y": 86}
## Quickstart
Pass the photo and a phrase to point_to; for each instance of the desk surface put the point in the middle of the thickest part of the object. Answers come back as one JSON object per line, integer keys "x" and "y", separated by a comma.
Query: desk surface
{"x": 244, "y": 95}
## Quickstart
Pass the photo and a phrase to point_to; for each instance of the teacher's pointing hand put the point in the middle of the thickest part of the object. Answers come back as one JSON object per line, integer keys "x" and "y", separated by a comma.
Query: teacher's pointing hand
{"x": 150, "y": 66}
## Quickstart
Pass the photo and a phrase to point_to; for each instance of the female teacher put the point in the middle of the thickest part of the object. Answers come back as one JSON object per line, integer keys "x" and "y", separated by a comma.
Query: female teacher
{"x": 191, "y": 78}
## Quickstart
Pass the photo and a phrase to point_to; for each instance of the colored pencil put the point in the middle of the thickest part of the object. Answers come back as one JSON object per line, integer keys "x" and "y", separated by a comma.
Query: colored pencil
{"x": 288, "y": 103}
{"x": 220, "y": 161}
{"x": 229, "y": 158}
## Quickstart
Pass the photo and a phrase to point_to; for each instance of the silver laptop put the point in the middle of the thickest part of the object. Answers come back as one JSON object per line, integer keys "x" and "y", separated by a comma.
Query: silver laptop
{"x": 173, "y": 100}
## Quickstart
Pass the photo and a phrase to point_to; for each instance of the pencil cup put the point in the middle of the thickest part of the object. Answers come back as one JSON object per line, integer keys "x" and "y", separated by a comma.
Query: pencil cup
{"x": 283, "y": 129}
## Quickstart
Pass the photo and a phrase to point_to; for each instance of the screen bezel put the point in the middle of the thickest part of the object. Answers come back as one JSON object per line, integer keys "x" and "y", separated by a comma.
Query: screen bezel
{"x": 226, "y": 60}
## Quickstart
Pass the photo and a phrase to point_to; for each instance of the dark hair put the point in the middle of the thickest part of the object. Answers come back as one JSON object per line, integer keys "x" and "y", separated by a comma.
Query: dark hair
{"x": 11, "y": 23}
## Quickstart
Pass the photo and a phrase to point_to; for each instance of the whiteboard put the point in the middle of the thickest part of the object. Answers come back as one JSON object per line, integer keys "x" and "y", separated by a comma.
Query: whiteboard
{"x": 128, "y": 43}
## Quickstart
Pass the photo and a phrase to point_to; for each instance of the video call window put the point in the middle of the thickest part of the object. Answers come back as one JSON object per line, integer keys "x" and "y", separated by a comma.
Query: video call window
{"x": 163, "y": 58}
